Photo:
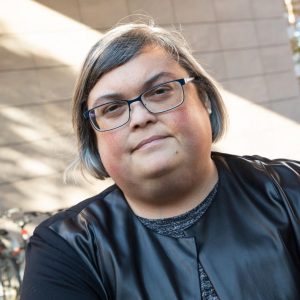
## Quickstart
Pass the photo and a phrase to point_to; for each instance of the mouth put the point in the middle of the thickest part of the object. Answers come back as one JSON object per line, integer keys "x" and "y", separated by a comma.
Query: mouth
{"x": 148, "y": 141}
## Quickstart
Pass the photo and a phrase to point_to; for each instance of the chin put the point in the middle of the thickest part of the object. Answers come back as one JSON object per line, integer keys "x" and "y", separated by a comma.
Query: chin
{"x": 158, "y": 169}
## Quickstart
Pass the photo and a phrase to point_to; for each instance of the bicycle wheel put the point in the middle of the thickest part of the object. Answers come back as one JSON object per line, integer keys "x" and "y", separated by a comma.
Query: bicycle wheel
{"x": 10, "y": 280}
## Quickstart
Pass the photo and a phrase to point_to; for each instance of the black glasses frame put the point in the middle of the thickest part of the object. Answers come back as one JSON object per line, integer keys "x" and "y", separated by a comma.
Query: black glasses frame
{"x": 182, "y": 81}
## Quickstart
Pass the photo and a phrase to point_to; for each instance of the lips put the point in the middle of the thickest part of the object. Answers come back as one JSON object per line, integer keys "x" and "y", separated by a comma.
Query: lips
{"x": 147, "y": 141}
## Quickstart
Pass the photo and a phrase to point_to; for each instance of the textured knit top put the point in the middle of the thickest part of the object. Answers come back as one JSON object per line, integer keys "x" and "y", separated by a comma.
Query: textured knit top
{"x": 175, "y": 227}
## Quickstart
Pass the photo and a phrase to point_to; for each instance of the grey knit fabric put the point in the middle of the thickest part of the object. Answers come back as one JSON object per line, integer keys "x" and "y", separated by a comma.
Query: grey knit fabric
{"x": 176, "y": 226}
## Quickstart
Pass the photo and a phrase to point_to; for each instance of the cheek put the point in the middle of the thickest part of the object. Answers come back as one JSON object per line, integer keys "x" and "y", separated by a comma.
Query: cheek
{"x": 179, "y": 120}
{"x": 194, "y": 126}
{"x": 183, "y": 121}
{"x": 110, "y": 151}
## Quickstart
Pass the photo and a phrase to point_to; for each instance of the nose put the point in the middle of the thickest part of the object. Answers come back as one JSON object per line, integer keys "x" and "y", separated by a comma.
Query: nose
{"x": 140, "y": 116}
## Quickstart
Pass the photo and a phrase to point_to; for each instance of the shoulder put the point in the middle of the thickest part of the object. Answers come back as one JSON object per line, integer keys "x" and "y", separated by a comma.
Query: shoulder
{"x": 88, "y": 227}
{"x": 280, "y": 168}
{"x": 98, "y": 211}
{"x": 280, "y": 177}
{"x": 63, "y": 248}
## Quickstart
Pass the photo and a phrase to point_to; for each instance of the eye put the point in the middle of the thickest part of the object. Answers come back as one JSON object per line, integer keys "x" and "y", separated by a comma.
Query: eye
{"x": 112, "y": 109}
{"x": 161, "y": 90}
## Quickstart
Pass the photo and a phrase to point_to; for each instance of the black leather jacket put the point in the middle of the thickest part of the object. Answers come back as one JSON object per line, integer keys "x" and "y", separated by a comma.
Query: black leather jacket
{"x": 249, "y": 241}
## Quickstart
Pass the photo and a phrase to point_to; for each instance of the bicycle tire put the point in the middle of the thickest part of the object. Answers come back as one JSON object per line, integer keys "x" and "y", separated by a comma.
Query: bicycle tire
{"x": 9, "y": 279}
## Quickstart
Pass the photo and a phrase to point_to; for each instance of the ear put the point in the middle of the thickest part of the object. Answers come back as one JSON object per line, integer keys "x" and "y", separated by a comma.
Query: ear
{"x": 207, "y": 104}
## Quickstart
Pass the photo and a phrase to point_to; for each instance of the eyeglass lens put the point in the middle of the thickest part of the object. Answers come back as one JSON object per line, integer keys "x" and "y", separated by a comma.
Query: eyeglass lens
{"x": 156, "y": 100}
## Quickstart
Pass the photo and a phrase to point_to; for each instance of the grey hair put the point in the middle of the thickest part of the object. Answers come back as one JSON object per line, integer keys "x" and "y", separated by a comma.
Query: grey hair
{"x": 115, "y": 48}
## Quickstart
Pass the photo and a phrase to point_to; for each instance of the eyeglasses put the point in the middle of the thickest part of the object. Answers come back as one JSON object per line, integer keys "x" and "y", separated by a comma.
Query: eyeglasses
{"x": 116, "y": 113}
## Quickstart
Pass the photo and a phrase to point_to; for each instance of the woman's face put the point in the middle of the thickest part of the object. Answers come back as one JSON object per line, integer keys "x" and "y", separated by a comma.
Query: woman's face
{"x": 151, "y": 146}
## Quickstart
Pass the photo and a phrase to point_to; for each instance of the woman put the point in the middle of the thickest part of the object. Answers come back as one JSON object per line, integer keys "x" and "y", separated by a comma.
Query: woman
{"x": 182, "y": 222}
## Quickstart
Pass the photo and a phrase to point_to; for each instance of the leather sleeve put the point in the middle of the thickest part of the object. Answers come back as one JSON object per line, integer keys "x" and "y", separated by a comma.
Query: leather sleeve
{"x": 55, "y": 271}
{"x": 285, "y": 175}
{"x": 286, "y": 178}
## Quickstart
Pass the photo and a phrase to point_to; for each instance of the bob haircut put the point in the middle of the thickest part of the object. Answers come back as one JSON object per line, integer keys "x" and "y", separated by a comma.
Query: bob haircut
{"x": 115, "y": 48}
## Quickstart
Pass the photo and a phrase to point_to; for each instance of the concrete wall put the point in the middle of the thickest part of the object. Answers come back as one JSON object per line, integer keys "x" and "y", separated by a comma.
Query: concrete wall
{"x": 243, "y": 43}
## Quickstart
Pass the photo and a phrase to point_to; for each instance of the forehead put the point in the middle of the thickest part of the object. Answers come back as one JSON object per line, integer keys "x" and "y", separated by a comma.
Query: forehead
{"x": 129, "y": 78}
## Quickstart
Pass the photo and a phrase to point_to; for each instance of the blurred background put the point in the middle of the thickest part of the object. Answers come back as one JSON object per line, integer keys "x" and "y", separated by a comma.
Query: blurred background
{"x": 250, "y": 46}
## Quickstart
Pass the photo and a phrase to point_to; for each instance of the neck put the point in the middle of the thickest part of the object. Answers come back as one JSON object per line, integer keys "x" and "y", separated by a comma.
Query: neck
{"x": 173, "y": 195}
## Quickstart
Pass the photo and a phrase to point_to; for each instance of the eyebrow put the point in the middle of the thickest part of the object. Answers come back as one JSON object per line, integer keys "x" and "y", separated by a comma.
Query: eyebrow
{"x": 146, "y": 85}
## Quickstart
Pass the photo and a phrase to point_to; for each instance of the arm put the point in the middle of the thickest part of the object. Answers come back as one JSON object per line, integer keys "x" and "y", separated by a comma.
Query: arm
{"x": 285, "y": 175}
{"x": 55, "y": 271}
{"x": 286, "y": 178}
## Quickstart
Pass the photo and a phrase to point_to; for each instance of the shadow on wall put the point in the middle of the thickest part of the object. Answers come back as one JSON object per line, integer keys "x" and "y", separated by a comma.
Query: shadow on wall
{"x": 36, "y": 139}
{"x": 38, "y": 67}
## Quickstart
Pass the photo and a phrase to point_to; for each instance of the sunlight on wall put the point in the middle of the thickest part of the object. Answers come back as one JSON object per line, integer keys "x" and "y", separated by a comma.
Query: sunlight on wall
{"x": 36, "y": 41}
{"x": 34, "y": 126}
{"x": 254, "y": 129}
{"x": 48, "y": 48}
{"x": 42, "y": 30}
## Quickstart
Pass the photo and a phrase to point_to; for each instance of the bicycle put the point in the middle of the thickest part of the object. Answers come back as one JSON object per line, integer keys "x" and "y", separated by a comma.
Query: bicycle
{"x": 12, "y": 249}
